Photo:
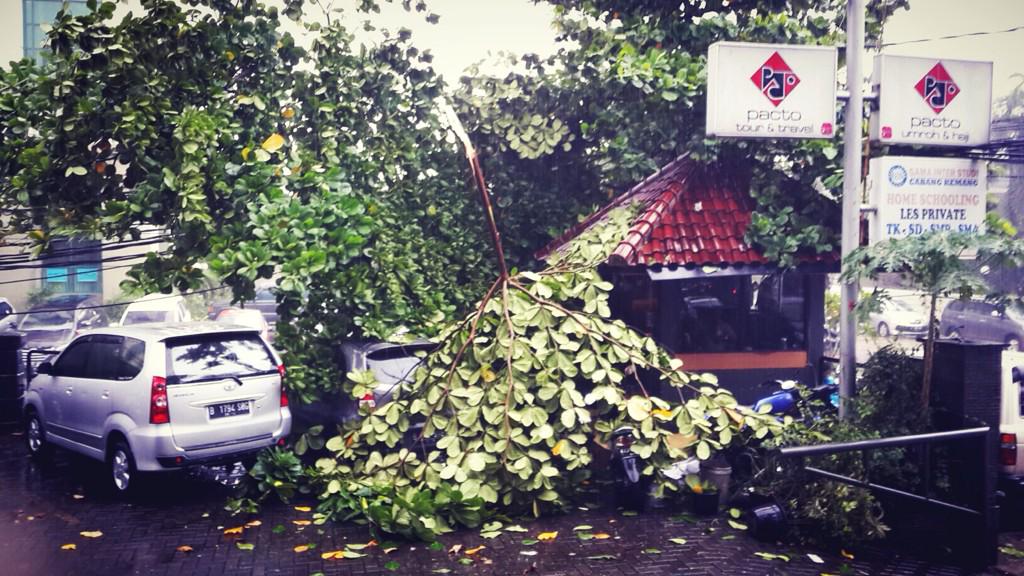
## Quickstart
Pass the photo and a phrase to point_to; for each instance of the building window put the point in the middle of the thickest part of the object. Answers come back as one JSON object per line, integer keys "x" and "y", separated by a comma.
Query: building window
{"x": 39, "y": 13}
{"x": 72, "y": 266}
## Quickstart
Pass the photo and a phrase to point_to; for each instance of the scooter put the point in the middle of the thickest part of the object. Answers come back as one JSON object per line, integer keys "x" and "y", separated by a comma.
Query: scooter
{"x": 786, "y": 400}
{"x": 630, "y": 484}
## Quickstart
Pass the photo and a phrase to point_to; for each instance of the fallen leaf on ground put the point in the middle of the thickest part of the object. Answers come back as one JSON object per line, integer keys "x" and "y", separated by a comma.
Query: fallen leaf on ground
{"x": 652, "y": 551}
{"x": 301, "y": 548}
{"x": 440, "y": 571}
{"x": 528, "y": 552}
{"x": 679, "y": 541}
{"x": 351, "y": 554}
{"x": 68, "y": 547}
{"x": 603, "y": 557}
{"x": 435, "y": 545}
{"x": 583, "y": 527}
{"x": 333, "y": 555}
{"x": 1011, "y": 551}
{"x": 206, "y": 515}
{"x": 735, "y": 513}
{"x": 455, "y": 549}
{"x": 629, "y": 513}
{"x": 78, "y": 496}
{"x": 529, "y": 541}
{"x": 93, "y": 534}
{"x": 392, "y": 565}
{"x": 515, "y": 528}
{"x": 361, "y": 546}
{"x": 235, "y": 530}
{"x": 490, "y": 535}
{"x": 770, "y": 556}
{"x": 184, "y": 549}
{"x": 301, "y": 522}
{"x": 602, "y": 536}
{"x": 737, "y": 525}
{"x": 547, "y": 535}
{"x": 389, "y": 550}
{"x": 244, "y": 545}
{"x": 729, "y": 537}
{"x": 491, "y": 526}
{"x": 472, "y": 551}
{"x": 584, "y": 536}
{"x": 279, "y": 529}
{"x": 465, "y": 561}
{"x": 815, "y": 558}
{"x": 253, "y": 524}
{"x": 303, "y": 508}
{"x": 846, "y": 554}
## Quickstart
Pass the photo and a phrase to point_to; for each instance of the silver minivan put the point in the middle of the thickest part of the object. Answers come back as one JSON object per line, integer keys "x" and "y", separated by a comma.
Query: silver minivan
{"x": 159, "y": 397}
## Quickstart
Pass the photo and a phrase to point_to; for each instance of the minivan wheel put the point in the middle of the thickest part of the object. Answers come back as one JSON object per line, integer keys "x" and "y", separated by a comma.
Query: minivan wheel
{"x": 883, "y": 330}
{"x": 122, "y": 467}
{"x": 35, "y": 436}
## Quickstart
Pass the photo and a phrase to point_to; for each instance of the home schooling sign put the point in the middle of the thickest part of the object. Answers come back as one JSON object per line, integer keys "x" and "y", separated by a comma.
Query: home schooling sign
{"x": 914, "y": 195}
{"x": 771, "y": 91}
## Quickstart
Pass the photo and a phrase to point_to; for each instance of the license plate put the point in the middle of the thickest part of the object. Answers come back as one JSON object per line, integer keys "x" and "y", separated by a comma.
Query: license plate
{"x": 228, "y": 409}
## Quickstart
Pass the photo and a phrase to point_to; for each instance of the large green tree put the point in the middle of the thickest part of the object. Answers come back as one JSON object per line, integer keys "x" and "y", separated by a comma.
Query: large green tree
{"x": 324, "y": 165}
{"x": 625, "y": 94}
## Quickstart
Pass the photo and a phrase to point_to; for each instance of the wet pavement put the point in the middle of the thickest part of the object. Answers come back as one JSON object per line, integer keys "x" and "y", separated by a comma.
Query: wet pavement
{"x": 177, "y": 526}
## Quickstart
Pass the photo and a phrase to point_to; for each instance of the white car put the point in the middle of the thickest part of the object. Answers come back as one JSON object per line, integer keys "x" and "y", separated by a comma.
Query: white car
{"x": 153, "y": 308}
{"x": 897, "y": 317}
{"x": 159, "y": 397}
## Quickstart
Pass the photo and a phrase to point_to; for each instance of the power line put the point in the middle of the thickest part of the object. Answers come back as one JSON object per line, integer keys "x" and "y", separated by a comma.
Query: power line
{"x": 76, "y": 273}
{"x": 953, "y": 36}
{"x": 76, "y": 251}
{"x": 123, "y": 258}
{"x": 189, "y": 293}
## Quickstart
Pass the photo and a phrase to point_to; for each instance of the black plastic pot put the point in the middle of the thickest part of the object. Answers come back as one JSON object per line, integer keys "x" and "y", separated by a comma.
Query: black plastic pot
{"x": 705, "y": 504}
{"x": 767, "y": 521}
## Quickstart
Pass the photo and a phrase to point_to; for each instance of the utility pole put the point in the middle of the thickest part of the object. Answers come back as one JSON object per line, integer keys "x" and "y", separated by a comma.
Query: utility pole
{"x": 852, "y": 162}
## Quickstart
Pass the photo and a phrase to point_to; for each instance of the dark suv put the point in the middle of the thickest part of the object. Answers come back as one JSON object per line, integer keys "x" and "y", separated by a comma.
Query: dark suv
{"x": 391, "y": 364}
{"x": 973, "y": 320}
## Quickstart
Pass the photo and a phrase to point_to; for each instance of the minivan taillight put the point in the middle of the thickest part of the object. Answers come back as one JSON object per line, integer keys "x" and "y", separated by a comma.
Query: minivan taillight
{"x": 284, "y": 394}
{"x": 158, "y": 413}
{"x": 1008, "y": 449}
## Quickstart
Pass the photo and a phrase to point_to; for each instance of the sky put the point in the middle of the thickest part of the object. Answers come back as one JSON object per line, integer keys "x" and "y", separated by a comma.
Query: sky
{"x": 471, "y": 29}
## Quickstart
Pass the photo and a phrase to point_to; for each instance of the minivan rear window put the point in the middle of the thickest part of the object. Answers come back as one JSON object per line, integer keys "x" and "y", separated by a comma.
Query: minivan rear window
{"x": 193, "y": 359}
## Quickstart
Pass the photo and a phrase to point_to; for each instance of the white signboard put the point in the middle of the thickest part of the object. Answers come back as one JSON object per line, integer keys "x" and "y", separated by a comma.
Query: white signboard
{"x": 931, "y": 101}
{"x": 771, "y": 91}
{"x": 914, "y": 195}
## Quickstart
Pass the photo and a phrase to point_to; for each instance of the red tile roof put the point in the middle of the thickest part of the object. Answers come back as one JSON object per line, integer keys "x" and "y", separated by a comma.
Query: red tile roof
{"x": 687, "y": 218}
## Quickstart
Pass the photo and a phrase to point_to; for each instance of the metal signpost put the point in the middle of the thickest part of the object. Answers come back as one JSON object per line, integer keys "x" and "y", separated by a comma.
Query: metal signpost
{"x": 854, "y": 113}
{"x": 783, "y": 91}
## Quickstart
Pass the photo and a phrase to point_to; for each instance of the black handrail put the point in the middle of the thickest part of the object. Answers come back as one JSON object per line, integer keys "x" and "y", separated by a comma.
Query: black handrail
{"x": 895, "y": 441}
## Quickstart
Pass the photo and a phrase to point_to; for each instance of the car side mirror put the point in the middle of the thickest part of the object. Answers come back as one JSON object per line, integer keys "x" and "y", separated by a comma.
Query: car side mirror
{"x": 45, "y": 368}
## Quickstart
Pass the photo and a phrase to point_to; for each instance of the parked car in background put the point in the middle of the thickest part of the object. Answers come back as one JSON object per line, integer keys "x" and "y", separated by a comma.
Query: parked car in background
{"x": 391, "y": 364}
{"x": 983, "y": 321}
{"x": 1011, "y": 428}
{"x": 897, "y": 317}
{"x": 55, "y": 321}
{"x": 8, "y": 320}
{"x": 159, "y": 397}
{"x": 156, "y": 308}
{"x": 247, "y": 317}
{"x": 265, "y": 302}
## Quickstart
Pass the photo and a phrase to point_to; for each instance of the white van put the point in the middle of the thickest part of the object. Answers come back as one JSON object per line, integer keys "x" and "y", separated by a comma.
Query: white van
{"x": 156, "y": 308}
{"x": 1011, "y": 426}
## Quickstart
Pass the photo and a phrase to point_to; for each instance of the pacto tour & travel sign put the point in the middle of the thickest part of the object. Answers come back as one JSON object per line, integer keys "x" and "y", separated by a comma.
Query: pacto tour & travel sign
{"x": 931, "y": 101}
{"x": 913, "y": 195}
{"x": 771, "y": 91}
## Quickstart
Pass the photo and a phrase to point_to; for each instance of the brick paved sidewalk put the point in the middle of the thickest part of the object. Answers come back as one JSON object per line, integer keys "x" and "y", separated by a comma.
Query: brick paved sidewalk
{"x": 43, "y": 508}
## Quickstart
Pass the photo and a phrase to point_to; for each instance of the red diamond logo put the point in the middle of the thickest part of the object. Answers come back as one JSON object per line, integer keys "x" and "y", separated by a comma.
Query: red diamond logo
{"x": 937, "y": 88}
{"x": 775, "y": 79}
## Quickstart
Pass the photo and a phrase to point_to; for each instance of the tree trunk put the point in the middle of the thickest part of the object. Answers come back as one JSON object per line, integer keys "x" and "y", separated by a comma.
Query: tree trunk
{"x": 929, "y": 355}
